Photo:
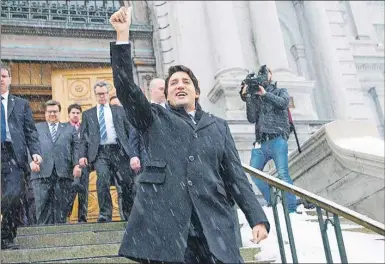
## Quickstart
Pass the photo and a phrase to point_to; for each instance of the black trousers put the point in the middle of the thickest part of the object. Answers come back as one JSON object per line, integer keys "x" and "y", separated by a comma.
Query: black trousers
{"x": 113, "y": 162}
{"x": 82, "y": 197}
{"x": 12, "y": 188}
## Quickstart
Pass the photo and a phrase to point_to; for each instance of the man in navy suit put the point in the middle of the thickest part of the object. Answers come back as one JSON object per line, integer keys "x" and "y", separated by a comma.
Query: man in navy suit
{"x": 104, "y": 144}
{"x": 18, "y": 133}
{"x": 183, "y": 209}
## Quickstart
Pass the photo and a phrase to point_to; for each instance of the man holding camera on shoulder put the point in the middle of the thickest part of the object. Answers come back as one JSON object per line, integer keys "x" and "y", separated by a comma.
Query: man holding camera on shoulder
{"x": 267, "y": 107}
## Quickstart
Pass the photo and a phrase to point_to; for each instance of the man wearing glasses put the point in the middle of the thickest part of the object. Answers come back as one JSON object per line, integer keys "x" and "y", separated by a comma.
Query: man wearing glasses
{"x": 104, "y": 137}
{"x": 52, "y": 180}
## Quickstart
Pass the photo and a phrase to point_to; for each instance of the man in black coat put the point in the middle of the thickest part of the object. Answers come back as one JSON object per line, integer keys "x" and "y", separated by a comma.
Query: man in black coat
{"x": 18, "y": 133}
{"x": 183, "y": 206}
{"x": 104, "y": 144}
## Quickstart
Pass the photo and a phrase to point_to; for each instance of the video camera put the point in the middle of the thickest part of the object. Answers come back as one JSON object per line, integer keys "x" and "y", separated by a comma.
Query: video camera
{"x": 253, "y": 80}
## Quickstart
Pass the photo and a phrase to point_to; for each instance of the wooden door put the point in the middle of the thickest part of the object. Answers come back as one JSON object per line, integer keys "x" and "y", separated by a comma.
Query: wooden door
{"x": 76, "y": 86}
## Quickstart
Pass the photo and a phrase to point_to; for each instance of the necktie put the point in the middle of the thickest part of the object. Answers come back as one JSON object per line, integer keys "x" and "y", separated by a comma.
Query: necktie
{"x": 3, "y": 122}
{"x": 192, "y": 118}
{"x": 102, "y": 124}
{"x": 53, "y": 132}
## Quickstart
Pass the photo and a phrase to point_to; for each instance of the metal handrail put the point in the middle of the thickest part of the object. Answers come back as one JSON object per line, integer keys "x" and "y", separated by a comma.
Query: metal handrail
{"x": 325, "y": 204}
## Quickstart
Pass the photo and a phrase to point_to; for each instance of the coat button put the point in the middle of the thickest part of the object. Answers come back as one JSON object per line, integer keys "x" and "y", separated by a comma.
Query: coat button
{"x": 189, "y": 183}
{"x": 195, "y": 135}
{"x": 191, "y": 158}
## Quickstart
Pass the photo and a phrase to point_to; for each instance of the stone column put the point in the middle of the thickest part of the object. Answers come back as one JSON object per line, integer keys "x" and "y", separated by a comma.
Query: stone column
{"x": 298, "y": 52}
{"x": 325, "y": 56}
{"x": 228, "y": 60}
{"x": 362, "y": 21}
{"x": 268, "y": 36}
{"x": 223, "y": 34}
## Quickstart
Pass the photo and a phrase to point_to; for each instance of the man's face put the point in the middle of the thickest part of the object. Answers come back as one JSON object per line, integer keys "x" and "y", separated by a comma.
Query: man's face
{"x": 74, "y": 115}
{"x": 5, "y": 81}
{"x": 115, "y": 101}
{"x": 157, "y": 92}
{"x": 101, "y": 94}
{"x": 52, "y": 114}
{"x": 181, "y": 91}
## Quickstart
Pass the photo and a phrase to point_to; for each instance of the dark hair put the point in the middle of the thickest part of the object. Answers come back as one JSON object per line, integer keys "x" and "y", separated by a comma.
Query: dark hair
{"x": 74, "y": 106}
{"x": 6, "y": 67}
{"x": 113, "y": 97}
{"x": 50, "y": 103}
{"x": 181, "y": 68}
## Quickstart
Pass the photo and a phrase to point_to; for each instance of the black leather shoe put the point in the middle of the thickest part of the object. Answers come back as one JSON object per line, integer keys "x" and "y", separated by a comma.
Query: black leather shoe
{"x": 9, "y": 244}
{"x": 82, "y": 220}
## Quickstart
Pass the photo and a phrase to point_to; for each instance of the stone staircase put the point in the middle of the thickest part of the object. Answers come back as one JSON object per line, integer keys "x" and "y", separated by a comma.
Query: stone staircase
{"x": 78, "y": 243}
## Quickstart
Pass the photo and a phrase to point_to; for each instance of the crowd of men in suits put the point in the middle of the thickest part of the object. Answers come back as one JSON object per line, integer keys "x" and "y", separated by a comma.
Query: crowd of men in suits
{"x": 45, "y": 165}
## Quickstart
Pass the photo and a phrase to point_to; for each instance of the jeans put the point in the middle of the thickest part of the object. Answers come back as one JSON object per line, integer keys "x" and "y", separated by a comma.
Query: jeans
{"x": 277, "y": 150}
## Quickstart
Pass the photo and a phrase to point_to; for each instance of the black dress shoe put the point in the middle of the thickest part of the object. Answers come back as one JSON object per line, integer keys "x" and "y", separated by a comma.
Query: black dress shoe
{"x": 82, "y": 220}
{"x": 9, "y": 244}
{"x": 102, "y": 220}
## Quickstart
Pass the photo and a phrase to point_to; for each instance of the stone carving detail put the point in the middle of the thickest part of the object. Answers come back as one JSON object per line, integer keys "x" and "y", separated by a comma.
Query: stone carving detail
{"x": 79, "y": 88}
{"x": 365, "y": 67}
{"x": 39, "y": 10}
{"x": 37, "y": 17}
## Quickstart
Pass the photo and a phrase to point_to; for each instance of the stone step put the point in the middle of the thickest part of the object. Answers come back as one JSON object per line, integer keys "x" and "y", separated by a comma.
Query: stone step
{"x": 82, "y": 254}
{"x": 70, "y": 228}
{"x": 69, "y": 239}
{"x": 111, "y": 259}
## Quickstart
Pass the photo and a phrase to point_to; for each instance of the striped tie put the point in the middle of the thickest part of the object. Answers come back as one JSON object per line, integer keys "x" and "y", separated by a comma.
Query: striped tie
{"x": 53, "y": 132}
{"x": 192, "y": 118}
{"x": 102, "y": 124}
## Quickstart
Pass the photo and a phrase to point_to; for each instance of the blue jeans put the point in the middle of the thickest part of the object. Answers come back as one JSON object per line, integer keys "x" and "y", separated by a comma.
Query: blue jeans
{"x": 277, "y": 150}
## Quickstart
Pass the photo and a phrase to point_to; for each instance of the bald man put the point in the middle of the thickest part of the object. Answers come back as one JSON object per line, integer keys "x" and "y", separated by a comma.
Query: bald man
{"x": 157, "y": 92}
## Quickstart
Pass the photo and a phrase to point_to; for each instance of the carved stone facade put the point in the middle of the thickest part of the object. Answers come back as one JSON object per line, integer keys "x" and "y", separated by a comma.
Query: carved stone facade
{"x": 74, "y": 31}
{"x": 328, "y": 54}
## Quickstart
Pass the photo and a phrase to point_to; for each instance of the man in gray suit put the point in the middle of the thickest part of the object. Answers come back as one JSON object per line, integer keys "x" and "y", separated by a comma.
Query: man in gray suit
{"x": 52, "y": 184}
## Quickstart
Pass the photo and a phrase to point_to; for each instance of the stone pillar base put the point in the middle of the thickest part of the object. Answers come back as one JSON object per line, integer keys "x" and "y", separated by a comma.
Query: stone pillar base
{"x": 301, "y": 91}
{"x": 225, "y": 93}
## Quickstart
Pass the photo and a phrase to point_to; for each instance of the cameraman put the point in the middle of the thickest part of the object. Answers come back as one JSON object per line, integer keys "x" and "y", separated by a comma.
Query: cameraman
{"x": 267, "y": 107}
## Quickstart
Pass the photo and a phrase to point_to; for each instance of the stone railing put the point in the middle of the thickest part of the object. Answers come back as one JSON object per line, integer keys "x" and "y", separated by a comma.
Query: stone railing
{"x": 344, "y": 162}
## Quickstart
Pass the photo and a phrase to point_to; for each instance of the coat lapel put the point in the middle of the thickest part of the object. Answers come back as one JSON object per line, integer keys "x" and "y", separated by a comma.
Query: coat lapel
{"x": 47, "y": 132}
{"x": 95, "y": 119}
{"x": 11, "y": 105}
{"x": 206, "y": 120}
{"x": 115, "y": 117}
{"x": 60, "y": 127}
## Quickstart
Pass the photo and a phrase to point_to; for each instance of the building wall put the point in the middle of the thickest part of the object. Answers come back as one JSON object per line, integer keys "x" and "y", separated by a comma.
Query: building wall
{"x": 354, "y": 30}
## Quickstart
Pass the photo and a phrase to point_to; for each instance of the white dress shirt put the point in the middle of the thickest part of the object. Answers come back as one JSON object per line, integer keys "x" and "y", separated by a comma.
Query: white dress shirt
{"x": 110, "y": 128}
{"x": 5, "y": 103}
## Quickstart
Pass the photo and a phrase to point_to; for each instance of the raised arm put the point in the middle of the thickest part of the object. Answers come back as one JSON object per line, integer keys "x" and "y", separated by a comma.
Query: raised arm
{"x": 135, "y": 103}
